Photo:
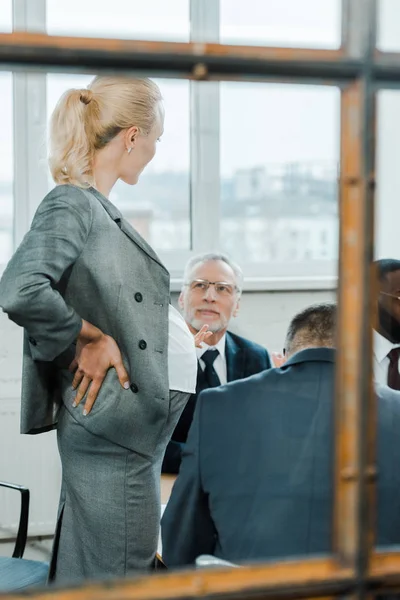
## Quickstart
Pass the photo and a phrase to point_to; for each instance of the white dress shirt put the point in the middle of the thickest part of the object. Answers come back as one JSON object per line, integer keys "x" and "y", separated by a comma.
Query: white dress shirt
{"x": 219, "y": 363}
{"x": 182, "y": 358}
{"x": 382, "y": 347}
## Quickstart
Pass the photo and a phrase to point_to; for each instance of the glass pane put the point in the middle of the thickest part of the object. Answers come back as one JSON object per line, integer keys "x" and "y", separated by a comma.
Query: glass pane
{"x": 387, "y": 210}
{"x": 130, "y": 19}
{"x": 159, "y": 205}
{"x": 6, "y": 16}
{"x": 6, "y": 168}
{"x": 279, "y": 177}
{"x": 388, "y": 38}
{"x": 308, "y": 23}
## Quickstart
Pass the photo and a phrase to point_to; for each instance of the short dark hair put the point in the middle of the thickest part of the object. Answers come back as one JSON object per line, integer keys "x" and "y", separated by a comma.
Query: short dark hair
{"x": 385, "y": 266}
{"x": 313, "y": 327}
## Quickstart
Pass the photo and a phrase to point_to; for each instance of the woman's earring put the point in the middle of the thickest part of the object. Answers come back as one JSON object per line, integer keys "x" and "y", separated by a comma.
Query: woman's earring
{"x": 129, "y": 150}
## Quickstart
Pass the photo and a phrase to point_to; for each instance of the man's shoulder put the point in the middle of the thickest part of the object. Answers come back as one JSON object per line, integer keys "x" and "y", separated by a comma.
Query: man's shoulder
{"x": 388, "y": 412}
{"x": 386, "y": 395}
{"x": 246, "y": 344}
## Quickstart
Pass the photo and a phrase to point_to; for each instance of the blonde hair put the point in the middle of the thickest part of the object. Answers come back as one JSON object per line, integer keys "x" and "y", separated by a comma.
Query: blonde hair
{"x": 86, "y": 120}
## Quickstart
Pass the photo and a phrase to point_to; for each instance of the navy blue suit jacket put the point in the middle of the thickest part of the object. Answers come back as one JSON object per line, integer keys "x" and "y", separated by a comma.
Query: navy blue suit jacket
{"x": 243, "y": 358}
{"x": 256, "y": 480}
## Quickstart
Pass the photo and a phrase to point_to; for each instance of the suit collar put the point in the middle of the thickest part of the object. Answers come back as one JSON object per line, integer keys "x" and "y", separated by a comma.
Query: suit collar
{"x": 312, "y": 355}
{"x": 221, "y": 347}
{"x": 382, "y": 346}
{"x": 125, "y": 226}
{"x": 234, "y": 359}
{"x": 112, "y": 210}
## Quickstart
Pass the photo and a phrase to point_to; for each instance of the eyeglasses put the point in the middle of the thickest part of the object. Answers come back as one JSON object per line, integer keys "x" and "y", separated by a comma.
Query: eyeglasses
{"x": 390, "y": 295}
{"x": 222, "y": 288}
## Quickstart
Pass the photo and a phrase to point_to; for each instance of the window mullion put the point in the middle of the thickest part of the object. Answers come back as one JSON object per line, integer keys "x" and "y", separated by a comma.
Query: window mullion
{"x": 204, "y": 17}
{"x": 29, "y": 90}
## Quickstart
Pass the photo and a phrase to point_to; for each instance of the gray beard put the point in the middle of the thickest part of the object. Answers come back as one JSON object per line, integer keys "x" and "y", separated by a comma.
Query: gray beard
{"x": 214, "y": 328}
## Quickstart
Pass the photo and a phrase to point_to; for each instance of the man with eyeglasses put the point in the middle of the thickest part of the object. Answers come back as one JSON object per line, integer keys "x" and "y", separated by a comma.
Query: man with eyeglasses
{"x": 211, "y": 296}
{"x": 387, "y": 334}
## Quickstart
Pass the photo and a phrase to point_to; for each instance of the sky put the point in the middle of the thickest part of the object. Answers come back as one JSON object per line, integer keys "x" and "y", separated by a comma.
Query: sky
{"x": 260, "y": 123}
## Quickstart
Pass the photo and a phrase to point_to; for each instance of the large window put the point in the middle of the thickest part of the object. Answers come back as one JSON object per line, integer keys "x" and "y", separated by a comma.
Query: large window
{"x": 279, "y": 155}
{"x": 249, "y": 169}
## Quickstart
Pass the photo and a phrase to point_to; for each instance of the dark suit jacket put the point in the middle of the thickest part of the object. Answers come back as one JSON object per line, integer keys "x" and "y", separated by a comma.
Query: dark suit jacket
{"x": 243, "y": 358}
{"x": 256, "y": 480}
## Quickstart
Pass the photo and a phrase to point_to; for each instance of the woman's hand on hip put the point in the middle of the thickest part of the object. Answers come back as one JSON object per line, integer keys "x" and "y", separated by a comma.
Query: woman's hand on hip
{"x": 96, "y": 353}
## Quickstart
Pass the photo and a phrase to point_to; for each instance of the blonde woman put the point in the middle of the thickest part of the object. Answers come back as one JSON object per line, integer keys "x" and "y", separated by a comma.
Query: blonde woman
{"x": 107, "y": 360}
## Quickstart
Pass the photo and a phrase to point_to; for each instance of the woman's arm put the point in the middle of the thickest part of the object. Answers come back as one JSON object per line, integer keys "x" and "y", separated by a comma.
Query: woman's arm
{"x": 28, "y": 288}
{"x": 29, "y": 294}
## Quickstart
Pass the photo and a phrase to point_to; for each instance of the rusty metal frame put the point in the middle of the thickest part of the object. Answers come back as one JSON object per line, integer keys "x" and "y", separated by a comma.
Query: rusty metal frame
{"x": 191, "y": 60}
{"x": 355, "y": 568}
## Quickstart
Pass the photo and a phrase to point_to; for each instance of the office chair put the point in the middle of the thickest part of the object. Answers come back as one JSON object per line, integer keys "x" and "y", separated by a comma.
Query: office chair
{"x": 17, "y": 573}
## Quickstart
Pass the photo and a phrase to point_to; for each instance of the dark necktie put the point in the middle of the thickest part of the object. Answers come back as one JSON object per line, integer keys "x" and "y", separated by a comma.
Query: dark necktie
{"x": 209, "y": 372}
{"x": 393, "y": 371}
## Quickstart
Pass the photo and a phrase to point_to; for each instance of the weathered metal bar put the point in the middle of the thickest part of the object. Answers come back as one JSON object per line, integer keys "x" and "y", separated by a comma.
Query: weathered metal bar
{"x": 355, "y": 401}
{"x": 194, "y": 60}
{"x": 386, "y": 67}
{"x": 188, "y": 60}
{"x": 386, "y": 565}
{"x": 352, "y": 364}
{"x": 384, "y": 573}
{"x": 305, "y": 579}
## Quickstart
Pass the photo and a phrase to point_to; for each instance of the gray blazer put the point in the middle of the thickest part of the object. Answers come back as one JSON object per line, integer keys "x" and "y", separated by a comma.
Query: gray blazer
{"x": 262, "y": 488}
{"x": 82, "y": 260}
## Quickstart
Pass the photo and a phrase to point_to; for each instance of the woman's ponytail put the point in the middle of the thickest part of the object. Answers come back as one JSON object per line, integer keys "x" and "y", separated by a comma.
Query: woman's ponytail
{"x": 72, "y": 138}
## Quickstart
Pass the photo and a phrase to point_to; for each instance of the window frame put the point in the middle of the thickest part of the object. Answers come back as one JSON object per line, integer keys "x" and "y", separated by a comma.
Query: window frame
{"x": 354, "y": 566}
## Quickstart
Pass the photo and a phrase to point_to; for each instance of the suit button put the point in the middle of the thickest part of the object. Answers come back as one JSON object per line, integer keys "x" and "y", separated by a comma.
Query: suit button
{"x": 138, "y": 297}
{"x": 142, "y": 345}
{"x": 33, "y": 341}
{"x": 134, "y": 388}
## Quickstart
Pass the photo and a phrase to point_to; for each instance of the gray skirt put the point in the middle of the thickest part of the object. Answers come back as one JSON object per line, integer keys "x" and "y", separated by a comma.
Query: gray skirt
{"x": 109, "y": 512}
